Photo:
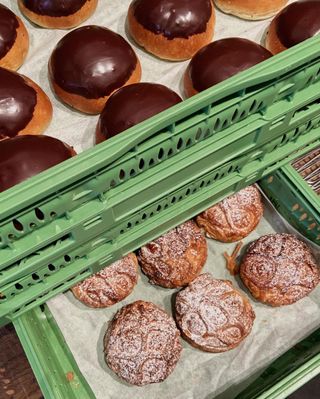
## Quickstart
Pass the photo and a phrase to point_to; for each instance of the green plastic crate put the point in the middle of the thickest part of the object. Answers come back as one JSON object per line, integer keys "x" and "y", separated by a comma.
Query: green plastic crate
{"x": 295, "y": 200}
{"x": 132, "y": 188}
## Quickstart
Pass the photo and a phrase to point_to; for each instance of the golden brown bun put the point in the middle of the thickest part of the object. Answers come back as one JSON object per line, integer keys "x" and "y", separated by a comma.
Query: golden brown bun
{"x": 87, "y": 105}
{"x": 273, "y": 43}
{"x": 235, "y": 217}
{"x": 212, "y": 315}
{"x": 42, "y": 113}
{"x": 109, "y": 286}
{"x": 18, "y": 52}
{"x": 176, "y": 258}
{"x": 251, "y": 9}
{"x": 176, "y": 49}
{"x": 64, "y": 22}
{"x": 279, "y": 269}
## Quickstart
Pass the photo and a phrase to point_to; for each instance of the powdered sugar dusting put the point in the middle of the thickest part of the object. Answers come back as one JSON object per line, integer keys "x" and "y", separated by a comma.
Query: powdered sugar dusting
{"x": 110, "y": 285}
{"x": 279, "y": 269}
{"x": 213, "y": 315}
{"x": 234, "y": 217}
{"x": 142, "y": 344}
{"x": 175, "y": 258}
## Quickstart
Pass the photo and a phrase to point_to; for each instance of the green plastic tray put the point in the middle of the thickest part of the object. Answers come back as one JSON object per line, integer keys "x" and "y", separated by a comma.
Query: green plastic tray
{"x": 295, "y": 200}
{"x": 60, "y": 378}
{"x": 132, "y": 188}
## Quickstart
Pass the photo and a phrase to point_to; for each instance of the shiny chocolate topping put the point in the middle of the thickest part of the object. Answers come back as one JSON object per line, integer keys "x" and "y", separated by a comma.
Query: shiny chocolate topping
{"x": 298, "y": 21}
{"x": 222, "y": 59}
{"x": 17, "y": 103}
{"x": 92, "y": 62}
{"x": 55, "y": 8}
{"x": 173, "y": 18}
{"x": 8, "y": 30}
{"x": 133, "y": 104}
{"x": 25, "y": 156}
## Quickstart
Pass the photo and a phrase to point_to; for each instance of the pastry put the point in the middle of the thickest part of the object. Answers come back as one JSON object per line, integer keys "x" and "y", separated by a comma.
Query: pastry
{"x": 176, "y": 258}
{"x": 171, "y": 29}
{"x": 89, "y": 64}
{"x": 233, "y": 218}
{"x": 212, "y": 315}
{"x": 142, "y": 344}
{"x": 109, "y": 286}
{"x": 279, "y": 269}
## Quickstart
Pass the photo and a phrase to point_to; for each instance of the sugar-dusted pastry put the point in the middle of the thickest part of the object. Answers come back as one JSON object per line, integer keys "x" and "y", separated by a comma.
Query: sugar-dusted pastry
{"x": 233, "y": 218}
{"x": 212, "y": 315}
{"x": 279, "y": 269}
{"x": 142, "y": 344}
{"x": 176, "y": 258}
{"x": 109, "y": 286}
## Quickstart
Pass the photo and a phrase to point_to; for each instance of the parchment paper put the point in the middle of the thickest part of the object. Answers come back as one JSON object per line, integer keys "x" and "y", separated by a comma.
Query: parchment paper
{"x": 77, "y": 129}
{"x": 197, "y": 375}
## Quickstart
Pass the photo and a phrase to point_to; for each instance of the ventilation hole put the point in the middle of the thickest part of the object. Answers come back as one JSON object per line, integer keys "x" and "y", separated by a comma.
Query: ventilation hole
{"x": 129, "y": 225}
{"x": 132, "y": 172}
{"x": 77, "y": 257}
{"x": 243, "y": 114}
{"x": 180, "y": 144}
{"x": 217, "y": 124}
{"x": 309, "y": 80}
{"x": 188, "y": 143}
{"x": 151, "y": 214}
{"x": 206, "y": 134}
{"x": 67, "y": 258}
{"x": 158, "y": 208}
{"x": 39, "y": 214}
{"x": 144, "y": 216}
{"x": 222, "y": 175}
{"x": 194, "y": 190}
{"x": 113, "y": 183}
{"x": 17, "y": 225}
{"x": 160, "y": 154}
{"x": 230, "y": 169}
{"x": 202, "y": 183}
{"x": 198, "y": 135}
{"x": 166, "y": 206}
{"x": 53, "y": 214}
{"x": 18, "y": 286}
{"x": 170, "y": 152}
{"x": 309, "y": 125}
{"x": 188, "y": 191}
{"x": 318, "y": 73}
{"x": 122, "y": 174}
{"x": 121, "y": 231}
{"x": 141, "y": 164}
{"x": 235, "y": 115}
{"x": 260, "y": 105}
{"x": 51, "y": 267}
{"x": 151, "y": 162}
{"x": 208, "y": 182}
{"x": 46, "y": 275}
{"x": 225, "y": 124}
{"x": 35, "y": 276}
{"x": 137, "y": 222}
{"x": 11, "y": 236}
{"x": 32, "y": 225}
{"x": 173, "y": 200}
{"x": 180, "y": 198}
{"x": 283, "y": 139}
{"x": 253, "y": 106}
{"x": 216, "y": 177}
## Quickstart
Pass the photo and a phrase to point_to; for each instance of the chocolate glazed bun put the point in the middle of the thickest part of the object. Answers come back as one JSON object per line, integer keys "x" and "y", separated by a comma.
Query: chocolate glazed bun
{"x": 25, "y": 156}
{"x": 59, "y": 14}
{"x": 131, "y": 105}
{"x": 89, "y": 64}
{"x": 24, "y": 107}
{"x": 297, "y": 22}
{"x": 174, "y": 30}
{"x": 251, "y": 9}
{"x": 14, "y": 40}
{"x": 219, "y": 61}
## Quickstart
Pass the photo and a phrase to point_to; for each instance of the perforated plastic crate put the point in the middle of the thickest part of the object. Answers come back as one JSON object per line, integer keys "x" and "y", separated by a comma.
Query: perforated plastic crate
{"x": 130, "y": 189}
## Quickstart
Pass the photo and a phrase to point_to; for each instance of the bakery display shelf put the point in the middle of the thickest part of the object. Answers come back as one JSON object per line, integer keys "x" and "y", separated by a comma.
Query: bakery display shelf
{"x": 154, "y": 176}
{"x": 55, "y": 269}
{"x": 59, "y": 376}
{"x": 295, "y": 200}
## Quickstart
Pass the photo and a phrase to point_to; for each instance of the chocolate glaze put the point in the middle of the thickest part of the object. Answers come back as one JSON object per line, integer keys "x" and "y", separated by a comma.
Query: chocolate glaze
{"x": 17, "y": 103}
{"x": 298, "y": 21}
{"x": 173, "y": 18}
{"x": 92, "y": 62}
{"x": 25, "y": 156}
{"x": 133, "y": 104}
{"x": 56, "y": 8}
{"x": 222, "y": 59}
{"x": 8, "y": 30}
